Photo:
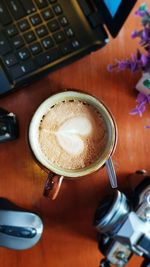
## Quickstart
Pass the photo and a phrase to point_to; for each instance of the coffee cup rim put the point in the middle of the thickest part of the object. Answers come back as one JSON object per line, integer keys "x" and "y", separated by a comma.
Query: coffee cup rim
{"x": 43, "y": 109}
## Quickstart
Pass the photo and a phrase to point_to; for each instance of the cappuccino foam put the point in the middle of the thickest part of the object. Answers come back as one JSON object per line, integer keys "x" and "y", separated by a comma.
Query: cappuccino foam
{"x": 72, "y": 135}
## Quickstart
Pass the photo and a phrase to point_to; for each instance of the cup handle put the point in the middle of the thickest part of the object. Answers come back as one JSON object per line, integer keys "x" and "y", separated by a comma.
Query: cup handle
{"x": 52, "y": 185}
{"x": 111, "y": 173}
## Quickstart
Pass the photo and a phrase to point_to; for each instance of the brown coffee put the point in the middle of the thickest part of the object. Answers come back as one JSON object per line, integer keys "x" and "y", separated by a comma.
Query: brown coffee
{"x": 72, "y": 135}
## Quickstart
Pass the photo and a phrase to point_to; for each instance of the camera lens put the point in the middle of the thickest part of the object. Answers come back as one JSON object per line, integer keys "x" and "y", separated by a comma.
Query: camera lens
{"x": 111, "y": 211}
{"x": 146, "y": 263}
{"x": 103, "y": 209}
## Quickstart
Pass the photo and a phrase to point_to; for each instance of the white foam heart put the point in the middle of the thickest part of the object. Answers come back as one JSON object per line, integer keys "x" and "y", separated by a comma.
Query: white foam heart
{"x": 70, "y": 132}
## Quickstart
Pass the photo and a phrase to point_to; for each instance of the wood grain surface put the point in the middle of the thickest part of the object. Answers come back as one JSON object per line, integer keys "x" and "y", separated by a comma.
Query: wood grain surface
{"x": 69, "y": 238}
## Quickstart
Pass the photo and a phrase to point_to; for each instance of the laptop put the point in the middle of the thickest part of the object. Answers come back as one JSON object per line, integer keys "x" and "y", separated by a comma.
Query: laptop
{"x": 40, "y": 36}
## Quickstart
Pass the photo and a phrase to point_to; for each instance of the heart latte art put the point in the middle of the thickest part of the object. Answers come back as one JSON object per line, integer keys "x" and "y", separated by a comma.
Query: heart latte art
{"x": 72, "y": 135}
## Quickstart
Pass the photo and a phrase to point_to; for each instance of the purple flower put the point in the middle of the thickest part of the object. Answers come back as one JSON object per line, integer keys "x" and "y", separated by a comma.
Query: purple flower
{"x": 138, "y": 54}
{"x": 123, "y": 64}
{"x": 141, "y": 98}
{"x": 138, "y": 110}
{"x": 110, "y": 67}
{"x": 148, "y": 99}
{"x": 140, "y": 13}
{"x": 133, "y": 66}
{"x": 144, "y": 60}
{"x": 134, "y": 34}
{"x": 146, "y": 34}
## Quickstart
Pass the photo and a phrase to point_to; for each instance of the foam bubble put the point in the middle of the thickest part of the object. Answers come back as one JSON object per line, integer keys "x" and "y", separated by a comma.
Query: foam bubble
{"x": 72, "y": 144}
{"x": 77, "y": 125}
{"x": 70, "y": 132}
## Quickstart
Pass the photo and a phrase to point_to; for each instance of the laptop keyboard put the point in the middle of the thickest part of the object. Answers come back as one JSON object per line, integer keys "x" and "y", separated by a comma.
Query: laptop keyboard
{"x": 33, "y": 34}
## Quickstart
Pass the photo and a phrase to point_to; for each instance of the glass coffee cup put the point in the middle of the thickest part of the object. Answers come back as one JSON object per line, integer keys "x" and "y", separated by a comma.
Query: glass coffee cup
{"x": 72, "y": 134}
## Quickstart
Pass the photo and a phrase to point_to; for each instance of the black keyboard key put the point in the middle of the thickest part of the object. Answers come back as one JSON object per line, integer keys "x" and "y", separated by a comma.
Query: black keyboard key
{"x": 16, "y": 9}
{"x": 63, "y": 21}
{"x": 24, "y": 54}
{"x": 67, "y": 48}
{"x": 11, "y": 30}
{"x": 41, "y": 31}
{"x": 76, "y": 44}
{"x": 10, "y": 60}
{"x": 17, "y": 41}
{"x": 24, "y": 25}
{"x": 52, "y": 1}
{"x": 70, "y": 47}
{"x": 29, "y": 37}
{"x": 48, "y": 57}
{"x": 5, "y": 84}
{"x": 22, "y": 69}
{"x": 53, "y": 25}
{"x": 47, "y": 14}
{"x": 28, "y": 6}
{"x": 5, "y": 17}
{"x": 36, "y": 20}
{"x": 47, "y": 42}
{"x": 59, "y": 37}
{"x": 69, "y": 32}
{"x": 41, "y": 3}
{"x": 4, "y": 45}
{"x": 35, "y": 48}
{"x": 57, "y": 9}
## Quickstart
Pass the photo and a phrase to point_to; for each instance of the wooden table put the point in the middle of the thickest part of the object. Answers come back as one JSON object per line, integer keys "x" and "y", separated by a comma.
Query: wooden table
{"x": 69, "y": 238}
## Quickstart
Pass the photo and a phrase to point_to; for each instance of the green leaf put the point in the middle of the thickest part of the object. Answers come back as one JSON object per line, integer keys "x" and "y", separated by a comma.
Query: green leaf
{"x": 143, "y": 7}
{"x": 147, "y": 83}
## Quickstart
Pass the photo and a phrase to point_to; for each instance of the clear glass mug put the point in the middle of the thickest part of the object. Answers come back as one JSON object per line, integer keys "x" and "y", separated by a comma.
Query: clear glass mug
{"x": 57, "y": 174}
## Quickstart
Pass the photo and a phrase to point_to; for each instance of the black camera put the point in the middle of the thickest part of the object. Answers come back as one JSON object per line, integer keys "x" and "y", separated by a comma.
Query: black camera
{"x": 123, "y": 225}
{"x": 9, "y": 129}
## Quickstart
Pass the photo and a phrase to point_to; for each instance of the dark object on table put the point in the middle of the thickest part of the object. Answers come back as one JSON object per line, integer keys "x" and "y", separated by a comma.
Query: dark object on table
{"x": 19, "y": 229}
{"x": 39, "y": 36}
{"x": 124, "y": 225}
{"x": 8, "y": 126}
